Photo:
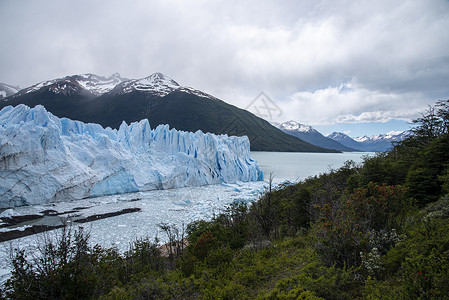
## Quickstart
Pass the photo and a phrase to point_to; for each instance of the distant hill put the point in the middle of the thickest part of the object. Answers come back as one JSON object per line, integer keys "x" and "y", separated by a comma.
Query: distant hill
{"x": 311, "y": 135}
{"x": 377, "y": 143}
{"x": 111, "y": 100}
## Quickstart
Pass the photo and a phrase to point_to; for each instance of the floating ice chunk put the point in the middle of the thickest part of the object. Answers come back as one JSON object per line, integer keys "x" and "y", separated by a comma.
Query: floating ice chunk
{"x": 8, "y": 213}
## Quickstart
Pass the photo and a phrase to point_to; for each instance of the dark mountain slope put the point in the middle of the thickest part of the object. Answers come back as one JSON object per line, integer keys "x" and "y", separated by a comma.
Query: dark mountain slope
{"x": 70, "y": 105}
{"x": 189, "y": 112}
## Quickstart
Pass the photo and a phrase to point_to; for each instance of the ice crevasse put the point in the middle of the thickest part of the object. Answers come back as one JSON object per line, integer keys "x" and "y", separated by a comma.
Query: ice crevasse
{"x": 46, "y": 159}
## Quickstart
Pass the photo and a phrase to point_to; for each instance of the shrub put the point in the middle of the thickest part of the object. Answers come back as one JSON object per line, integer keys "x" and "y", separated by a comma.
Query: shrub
{"x": 425, "y": 265}
{"x": 205, "y": 244}
{"x": 62, "y": 268}
{"x": 315, "y": 281}
{"x": 350, "y": 229}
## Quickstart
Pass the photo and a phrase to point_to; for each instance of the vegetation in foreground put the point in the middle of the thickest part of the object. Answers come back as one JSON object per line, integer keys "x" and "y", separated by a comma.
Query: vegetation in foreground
{"x": 373, "y": 231}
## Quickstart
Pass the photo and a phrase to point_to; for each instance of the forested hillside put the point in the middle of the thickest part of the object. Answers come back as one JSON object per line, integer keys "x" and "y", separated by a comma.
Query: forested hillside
{"x": 379, "y": 230}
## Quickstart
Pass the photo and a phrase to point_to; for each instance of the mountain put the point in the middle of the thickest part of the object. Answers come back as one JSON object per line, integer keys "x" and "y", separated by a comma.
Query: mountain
{"x": 111, "y": 100}
{"x": 382, "y": 142}
{"x": 71, "y": 85}
{"x": 65, "y": 97}
{"x": 311, "y": 135}
{"x": 76, "y": 160}
{"x": 7, "y": 90}
{"x": 345, "y": 140}
{"x": 377, "y": 143}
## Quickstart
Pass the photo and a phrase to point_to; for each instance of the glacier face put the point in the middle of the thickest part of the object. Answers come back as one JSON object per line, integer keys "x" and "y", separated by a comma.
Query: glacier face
{"x": 47, "y": 159}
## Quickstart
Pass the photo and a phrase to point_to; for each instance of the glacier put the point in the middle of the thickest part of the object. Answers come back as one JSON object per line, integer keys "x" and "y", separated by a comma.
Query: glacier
{"x": 45, "y": 159}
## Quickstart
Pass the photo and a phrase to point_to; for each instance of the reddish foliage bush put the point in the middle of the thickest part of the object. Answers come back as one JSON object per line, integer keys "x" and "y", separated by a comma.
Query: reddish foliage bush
{"x": 344, "y": 229}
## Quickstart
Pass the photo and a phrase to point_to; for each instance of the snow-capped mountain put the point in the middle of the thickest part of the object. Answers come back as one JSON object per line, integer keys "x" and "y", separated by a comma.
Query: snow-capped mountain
{"x": 156, "y": 84}
{"x": 377, "y": 143}
{"x": 295, "y": 126}
{"x": 393, "y": 136}
{"x": 310, "y": 135}
{"x": 44, "y": 158}
{"x": 110, "y": 100}
{"x": 98, "y": 85}
{"x": 7, "y": 90}
{"x": 94, "y": 84}
{"x": 345, "y": 140}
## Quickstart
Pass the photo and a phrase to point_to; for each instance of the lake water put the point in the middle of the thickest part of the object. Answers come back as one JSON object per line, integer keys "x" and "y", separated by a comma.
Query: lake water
{"x": 296, "y": 166}
{"x": 177, "y": 206}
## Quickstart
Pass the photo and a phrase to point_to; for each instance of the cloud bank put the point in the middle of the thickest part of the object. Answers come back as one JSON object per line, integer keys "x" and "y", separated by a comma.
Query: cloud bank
{"x": 321, "y": 61}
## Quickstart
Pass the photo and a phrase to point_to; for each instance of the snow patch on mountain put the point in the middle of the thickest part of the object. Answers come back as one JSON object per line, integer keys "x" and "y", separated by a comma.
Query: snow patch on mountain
{"x": 97, "y": 85}
{"x": 361, "y": 139}
{"x": 156, "y": 84}
{"x": 46, "y": 159}
{"x": 390, "y": 136}
{"x": 338, "y": 136}
{"x": 199, "y": 93}
{"x": 295, "y": 126}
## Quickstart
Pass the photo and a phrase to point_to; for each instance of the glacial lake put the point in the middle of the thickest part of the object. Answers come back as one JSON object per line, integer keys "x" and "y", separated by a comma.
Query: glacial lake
{"x": 176, "y": 206}
{"x": 295, "y": 166}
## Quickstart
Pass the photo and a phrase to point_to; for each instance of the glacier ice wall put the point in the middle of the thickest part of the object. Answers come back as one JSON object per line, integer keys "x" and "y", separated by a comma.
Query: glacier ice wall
{"x": 45, "y": 159}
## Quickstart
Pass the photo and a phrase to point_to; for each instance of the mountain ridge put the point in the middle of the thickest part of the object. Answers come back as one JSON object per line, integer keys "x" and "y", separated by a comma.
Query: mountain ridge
{"x": 309, "y": 134}
{"x": 95, "y": 84}
{"x": 375, "y": 143}
{"x": 157, "y": 98}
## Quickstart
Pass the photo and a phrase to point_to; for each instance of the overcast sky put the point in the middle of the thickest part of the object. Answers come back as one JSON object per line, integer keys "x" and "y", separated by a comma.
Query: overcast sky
{"x": 355, "y": 66}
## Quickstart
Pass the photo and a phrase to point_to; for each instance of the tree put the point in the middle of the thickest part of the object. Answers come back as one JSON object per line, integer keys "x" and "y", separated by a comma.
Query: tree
{"x": 433, "y": 123}
{"x": 426, "y": 174}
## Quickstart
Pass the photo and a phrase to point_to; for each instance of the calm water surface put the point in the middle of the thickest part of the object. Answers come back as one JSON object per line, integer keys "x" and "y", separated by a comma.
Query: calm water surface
{"x": 296, "y": 166}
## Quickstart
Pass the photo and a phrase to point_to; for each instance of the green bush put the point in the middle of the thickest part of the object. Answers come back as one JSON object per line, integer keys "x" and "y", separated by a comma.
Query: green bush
{"x": 346, "y": 229}
{"x": 62, "y": 269}
{"x": 315, "y": 281}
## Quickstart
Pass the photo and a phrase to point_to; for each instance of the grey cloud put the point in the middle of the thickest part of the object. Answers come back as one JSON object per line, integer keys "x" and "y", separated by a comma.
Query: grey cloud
{"x": 236, "y": 49}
